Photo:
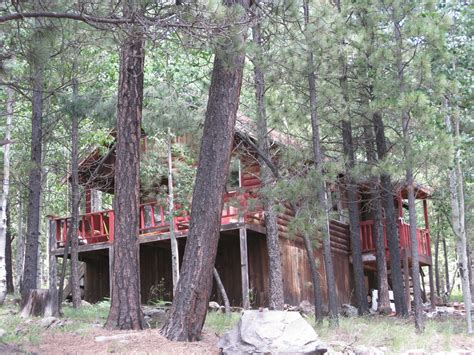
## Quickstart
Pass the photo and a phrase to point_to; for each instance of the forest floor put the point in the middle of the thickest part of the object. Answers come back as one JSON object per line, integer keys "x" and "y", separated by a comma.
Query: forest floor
{"x": 82, "y": 332}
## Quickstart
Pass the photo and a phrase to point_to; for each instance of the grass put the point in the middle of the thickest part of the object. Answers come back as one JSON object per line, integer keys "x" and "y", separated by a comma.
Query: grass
{"x": 221, "y": 323}
{"x": 398, "y": 335}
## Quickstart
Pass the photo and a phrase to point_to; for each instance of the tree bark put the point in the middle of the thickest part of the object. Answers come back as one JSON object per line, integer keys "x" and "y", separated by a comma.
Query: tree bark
{"x": 408, "y": 155}
{"x": 446, "y": 265}
{"x": 20, "y": 244}
{"x": 221, "y": 288}
{"x": 125, "y": 308}
{"x": 276, "y": 300}
{"x": 354, "y": 220}
{"x": 390, "y": 218}
{"x": 318, "y": 297}
{"x": 189, "y": 308}
{"x": 437, "y": 279}
{"x": 75, "y": 200}
{"x": 4, "y": 219}
{"x": 30, "y": 269}
{"x": 321, "y": 190}
{"x": 173, "y": 240}
{"x": 63, "y": 270}
{"x": 457, "y": 215}
{"x": 9, "y": 254}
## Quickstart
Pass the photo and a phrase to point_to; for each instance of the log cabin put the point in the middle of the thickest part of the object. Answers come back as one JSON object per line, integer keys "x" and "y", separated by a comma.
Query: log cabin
{"x": 241, "y": 260}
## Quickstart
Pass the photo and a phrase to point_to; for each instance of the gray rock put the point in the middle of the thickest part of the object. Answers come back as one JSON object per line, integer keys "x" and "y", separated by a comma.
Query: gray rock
{"x": 306, "y": 307}
{"x": 48, "y": 322}
{"x": 214, "y": 306}
{"x": 366, "y": 350}
{"x": 155, "y": 317}
{"x": 2, "y": 332}
{"x": 271, "y": 332}
{"x": 349, "y": 310}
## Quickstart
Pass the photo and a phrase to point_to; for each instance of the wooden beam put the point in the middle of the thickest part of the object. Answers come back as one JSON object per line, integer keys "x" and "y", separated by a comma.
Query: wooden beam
{"x": 425, "y": 212}
{"x": 244, "y": 267}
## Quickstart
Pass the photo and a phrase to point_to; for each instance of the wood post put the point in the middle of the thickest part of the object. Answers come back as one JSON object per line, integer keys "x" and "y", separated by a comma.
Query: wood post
{"x": 406, "y": 273}
{"x": 425, "y": 212}
{"x": 244, "y": 267}
{"x": 53, "y": 306}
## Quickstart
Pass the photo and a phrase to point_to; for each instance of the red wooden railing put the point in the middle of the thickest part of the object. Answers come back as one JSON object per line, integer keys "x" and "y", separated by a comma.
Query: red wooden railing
{"x": 98, "y": 227}
{"x": 368, "y": 240}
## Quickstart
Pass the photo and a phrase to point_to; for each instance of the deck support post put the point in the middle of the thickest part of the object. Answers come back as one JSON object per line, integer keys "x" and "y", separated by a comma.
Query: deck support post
{"x": 432, "y": 287}
{"x": 406, "y": 273}
{"x": 111, "y": 268}
{"x": 244, "y": 267}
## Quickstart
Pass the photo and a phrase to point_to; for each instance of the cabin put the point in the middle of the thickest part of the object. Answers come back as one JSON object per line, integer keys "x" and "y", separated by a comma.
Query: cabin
{"x": 241, "y": 260}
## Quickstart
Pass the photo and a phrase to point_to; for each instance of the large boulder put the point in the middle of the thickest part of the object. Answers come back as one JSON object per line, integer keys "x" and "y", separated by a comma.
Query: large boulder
{"x": 271, "y": 332}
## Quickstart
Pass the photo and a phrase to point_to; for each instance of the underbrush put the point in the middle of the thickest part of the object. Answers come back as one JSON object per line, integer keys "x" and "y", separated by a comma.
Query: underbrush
{"x": 220, "y": 322}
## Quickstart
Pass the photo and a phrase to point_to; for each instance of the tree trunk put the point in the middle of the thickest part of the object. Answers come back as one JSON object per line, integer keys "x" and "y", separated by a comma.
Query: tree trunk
{"x": 276, "y": 300}
{"x": 8, "y": 254}
{"x": 220, "y": 287}
{"x": 383, "y": 301}
{"x": 321, "y": 190}
{"x": 446, "y": 265}
{"x": 4, "y": 219}
{"x": 30, "y": 269}
{"x": 63, "y": 270}
{"x": 390, "y": 218}
{"x": 174, "y": 242}
{"x": 125, "y": 308}
{"x": 437, "y": 280}
{"x": 457, "y": 215}
{"x": 408, "y": 155}
{"x": 354, "y": 221}
{"x": 189, "y": 308}
{"x": 75, "y": 200}
{"x": 53, "y": 306}
{"x": 20, "y": 244}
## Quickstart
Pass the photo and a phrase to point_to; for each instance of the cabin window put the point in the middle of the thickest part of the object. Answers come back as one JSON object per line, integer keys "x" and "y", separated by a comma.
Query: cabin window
{"x": 233, "y": 182}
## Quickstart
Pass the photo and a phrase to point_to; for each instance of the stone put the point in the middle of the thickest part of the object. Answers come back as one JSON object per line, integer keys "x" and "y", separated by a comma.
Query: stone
{"x": 366, "y": 350}
{"x": 271, "y": 332}
{"x": 2, "y": 332}
{"x": 48, "y": 322}
{"x": 214, "y": 306}
{"x": 349, "y": 310}
{"x": 306, "y": 307}
{"x": 155, "y": 317}
{"x": 85, "y": 304}
{"x": 119, "y": 337}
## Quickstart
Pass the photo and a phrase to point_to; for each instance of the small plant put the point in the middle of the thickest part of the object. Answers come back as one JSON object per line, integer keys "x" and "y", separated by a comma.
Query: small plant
{"x": 158, "y": 293}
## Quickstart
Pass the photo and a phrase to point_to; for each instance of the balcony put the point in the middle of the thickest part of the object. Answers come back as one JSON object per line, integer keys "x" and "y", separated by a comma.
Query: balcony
{"x": 422, "y": 236}
{"x": 98, "y": 227}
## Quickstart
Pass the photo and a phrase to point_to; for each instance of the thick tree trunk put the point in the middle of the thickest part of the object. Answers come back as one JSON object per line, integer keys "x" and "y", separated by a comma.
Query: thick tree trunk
{"x": 53, "y": 306}
{"x": 125, "y": 309}
{"x": 189, "y": 308}
{"x": 276, "y": 300}
{"x": 321, "y": 190}
{"x": 4, "y": 232}
{"x": 390, "y": 217}
{"x": 354, "y": 220}
{"x": 61, "y": 296}
{"x": 8, "y": 254}
{"x": 221, "y": 288}
{"x": 75, "y": 200}
{"x": 30, "y": 268}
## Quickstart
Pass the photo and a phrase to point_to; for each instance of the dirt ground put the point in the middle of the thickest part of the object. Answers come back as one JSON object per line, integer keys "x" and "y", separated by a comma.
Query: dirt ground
{"x": 147, "y": 341}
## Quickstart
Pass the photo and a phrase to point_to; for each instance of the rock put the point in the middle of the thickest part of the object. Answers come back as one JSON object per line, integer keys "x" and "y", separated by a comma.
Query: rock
{"x": 120, "y": 337}
{"x": 271, "y": 332}
{"x": 2, "y": 332}
{"x": 85, "y": 304}
{"x": 415, "y": 352}
{"x": 214, "y": 306}
{"x": 306, "y": 307}
{"x": 48, "y": 322}
{"x": 349, "y": 310}
{"x": 366, "y": 350}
